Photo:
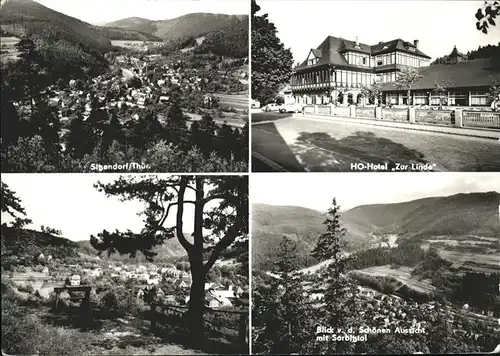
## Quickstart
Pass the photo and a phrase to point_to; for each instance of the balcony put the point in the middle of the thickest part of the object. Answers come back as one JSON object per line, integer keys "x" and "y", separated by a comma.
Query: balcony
{"x": 312, "y": 86}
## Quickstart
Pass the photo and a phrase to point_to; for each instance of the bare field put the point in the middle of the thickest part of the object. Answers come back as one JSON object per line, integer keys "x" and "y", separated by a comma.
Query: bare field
{"x": 476, "y": 258}
{"x": 134, "y": 44}
{"x": 402, "y": 274}
{"x": 237, "y": 101}
{"x": 9, "y": 51}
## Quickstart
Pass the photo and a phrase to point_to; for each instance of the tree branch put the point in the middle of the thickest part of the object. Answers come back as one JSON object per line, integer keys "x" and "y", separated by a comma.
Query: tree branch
{"x": 225, "y": 242}
{"x": 180, "y": 212}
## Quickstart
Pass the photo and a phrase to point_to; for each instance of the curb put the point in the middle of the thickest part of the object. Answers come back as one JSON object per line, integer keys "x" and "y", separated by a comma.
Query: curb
{"x": 387, "y": 124}
{"x": 269, "y": 162}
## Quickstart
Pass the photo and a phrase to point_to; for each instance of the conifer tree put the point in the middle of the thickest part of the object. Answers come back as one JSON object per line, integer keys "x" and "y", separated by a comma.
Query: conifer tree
{"x": 281, "y": 307}
{"x": 339, "y": 309}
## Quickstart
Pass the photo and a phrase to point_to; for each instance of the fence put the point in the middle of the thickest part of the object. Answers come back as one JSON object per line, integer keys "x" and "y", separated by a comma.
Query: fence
{"x": 365, "y": 112}
{"x": 342, "y": 111}
{"x": 230, "y": 323}
{"x": 481, "y": 119}
{"x": 395, "y": 114}
{"x": 446, "y": 117}
{"x": 309, "y": 109}
{"x": 456, "y": 117}
{"x": 324, "y": 110}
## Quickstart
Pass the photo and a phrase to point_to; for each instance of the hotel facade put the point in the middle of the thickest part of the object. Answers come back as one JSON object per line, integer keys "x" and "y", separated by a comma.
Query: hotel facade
{"x": 337, "y": 71}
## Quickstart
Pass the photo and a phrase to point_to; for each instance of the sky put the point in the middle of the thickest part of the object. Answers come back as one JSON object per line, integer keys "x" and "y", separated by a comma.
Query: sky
{"x": 70, "y": 203}
{"x": 438, "y": 25}
{"x": 100, "y": 12}
{"x": 316, "y": 191}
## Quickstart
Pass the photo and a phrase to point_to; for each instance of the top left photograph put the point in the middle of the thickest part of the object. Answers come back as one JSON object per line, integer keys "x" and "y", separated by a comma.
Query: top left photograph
{"x": 124, "y": 86}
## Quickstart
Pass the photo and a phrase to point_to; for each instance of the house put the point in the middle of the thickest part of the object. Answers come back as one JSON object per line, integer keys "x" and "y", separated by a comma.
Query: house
{"x": 239, "y": 291}
{"x": 154, "y": 280}
{"x": 184, "y": 284}
{"x": 216, "y": 301}
{"x": 163, "y": 99}
{"x": 229, "y": 293}
{"x": 74, "y": 280}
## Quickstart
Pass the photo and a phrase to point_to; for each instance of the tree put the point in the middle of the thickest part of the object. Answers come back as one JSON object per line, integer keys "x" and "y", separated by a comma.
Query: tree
{"x": 340, "y": 303}
{"x": 280, "y": 309}
{"x": 372, "y": 92}
{"x": 176, "y": 127}
{"x": 441, "y": 90}
{"x": 494, "y": 91}
{"x": 79, "y": 139}
{"x": 11, "y": 205}
{"x": 271, "y": 61}
{"x": 28, "y": 74}
{"x": 405, "y": 80}
{"x": 220, "y": 216}
{"x": 486, "y": 15}
{"x": 134, "y": 82}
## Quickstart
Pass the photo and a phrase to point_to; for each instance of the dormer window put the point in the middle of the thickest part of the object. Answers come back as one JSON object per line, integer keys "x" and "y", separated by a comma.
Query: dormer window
{"x": 411, "y": 49}
{"x": 385, "y": 47}
{"x": 312, "y": 61}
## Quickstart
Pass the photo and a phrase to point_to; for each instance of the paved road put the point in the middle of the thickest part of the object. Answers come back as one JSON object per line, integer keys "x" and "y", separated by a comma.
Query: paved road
{"x": 309, "y": 144}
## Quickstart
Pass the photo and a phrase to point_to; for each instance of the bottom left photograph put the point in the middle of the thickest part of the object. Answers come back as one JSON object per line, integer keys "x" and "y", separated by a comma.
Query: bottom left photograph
{"x": 117, "y": 264}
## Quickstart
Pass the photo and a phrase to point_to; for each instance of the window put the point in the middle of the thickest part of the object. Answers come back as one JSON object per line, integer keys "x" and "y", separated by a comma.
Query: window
{"x": 364, "y": 61}
{"x": 392, "y": 98}
{"x": 458, "y": 98}
{"x": 479, "y": 99}
{"x": 420, "y": 98}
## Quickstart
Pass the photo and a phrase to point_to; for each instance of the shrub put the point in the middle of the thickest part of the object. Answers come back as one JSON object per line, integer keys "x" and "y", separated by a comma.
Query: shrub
{"x": 26, "y": 288}
{"x": 24, "y": 334}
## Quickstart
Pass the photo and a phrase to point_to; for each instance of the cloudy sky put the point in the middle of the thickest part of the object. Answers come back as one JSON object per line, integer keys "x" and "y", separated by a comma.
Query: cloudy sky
{"x": 99, "y": 12}
{"x": 316, "y": 191}
{"x": 70, "y": 203}
{"x": 438, "y": 25}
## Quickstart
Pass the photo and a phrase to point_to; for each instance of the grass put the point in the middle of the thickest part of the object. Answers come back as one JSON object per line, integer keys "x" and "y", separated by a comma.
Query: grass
{"x": 23, "y": 333}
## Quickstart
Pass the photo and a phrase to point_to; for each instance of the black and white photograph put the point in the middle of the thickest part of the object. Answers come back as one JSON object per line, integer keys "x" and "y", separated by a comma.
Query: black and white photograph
{"x": 110, "y": 264}
{"x": 375, "y": 86}
{"x": 364, "y": 263}
{"x": 124, "y": 86}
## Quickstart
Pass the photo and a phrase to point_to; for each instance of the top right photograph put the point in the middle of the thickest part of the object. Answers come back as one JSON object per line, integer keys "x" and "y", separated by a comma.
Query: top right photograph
{"x": 375, "y": 86}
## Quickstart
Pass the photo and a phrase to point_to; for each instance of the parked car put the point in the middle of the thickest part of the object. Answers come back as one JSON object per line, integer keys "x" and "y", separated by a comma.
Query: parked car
{"x": 271, "y": 107}
{"x": 295, "y": 108}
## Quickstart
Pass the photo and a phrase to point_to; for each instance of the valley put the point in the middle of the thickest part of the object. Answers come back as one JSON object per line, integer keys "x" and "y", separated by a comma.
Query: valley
{"x": 124, "y": 92}
{"x": 410, "y": 266}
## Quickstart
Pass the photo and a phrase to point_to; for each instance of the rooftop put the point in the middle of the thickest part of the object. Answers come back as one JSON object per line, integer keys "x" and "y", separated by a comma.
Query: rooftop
{"x": 331, "y": 49}
{"x": 475, "y": 73}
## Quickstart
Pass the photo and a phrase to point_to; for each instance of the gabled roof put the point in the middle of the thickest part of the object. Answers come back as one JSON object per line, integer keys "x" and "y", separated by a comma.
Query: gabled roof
{"x": 331, "y": 49}
{"x": 475, "y": 73}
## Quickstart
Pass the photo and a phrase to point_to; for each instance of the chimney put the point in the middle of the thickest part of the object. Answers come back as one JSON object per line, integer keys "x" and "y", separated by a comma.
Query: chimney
{"x": 357, "y": 42}
{"x": 415, "y": 43}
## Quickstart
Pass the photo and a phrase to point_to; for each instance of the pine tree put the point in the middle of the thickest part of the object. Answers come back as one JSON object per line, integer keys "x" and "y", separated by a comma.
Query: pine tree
{"x": 340, "y": 296}
{"x": 281, "y": 308}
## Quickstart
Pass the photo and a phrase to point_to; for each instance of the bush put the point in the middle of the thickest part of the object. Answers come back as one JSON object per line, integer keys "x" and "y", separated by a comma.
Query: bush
{"x": 27, "y": 288}
{"x": 24, "y": 334}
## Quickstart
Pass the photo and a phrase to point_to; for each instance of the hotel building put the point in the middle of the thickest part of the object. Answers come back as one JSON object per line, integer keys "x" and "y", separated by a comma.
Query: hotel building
{"x": 338, "y": 69}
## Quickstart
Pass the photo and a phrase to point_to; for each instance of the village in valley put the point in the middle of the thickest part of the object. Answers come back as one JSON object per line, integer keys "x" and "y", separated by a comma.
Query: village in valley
{"x": 403, "y": 277}
{"x": 82, "y": 95}
{"x": 83, "y": 296}
{"x": 173, "y": 281}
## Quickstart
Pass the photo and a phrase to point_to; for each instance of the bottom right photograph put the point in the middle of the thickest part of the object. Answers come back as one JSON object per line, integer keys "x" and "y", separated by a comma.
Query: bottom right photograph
{"x": 375, "y": 263}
